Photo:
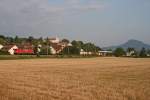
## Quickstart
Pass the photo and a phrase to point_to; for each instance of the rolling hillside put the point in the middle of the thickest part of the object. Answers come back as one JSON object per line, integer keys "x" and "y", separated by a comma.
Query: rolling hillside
{"x": 138, "y": 45}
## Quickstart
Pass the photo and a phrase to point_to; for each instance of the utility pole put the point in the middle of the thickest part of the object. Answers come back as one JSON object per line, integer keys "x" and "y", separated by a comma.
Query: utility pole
{"x": 47, "y": 45}
{"x": 47, "y": 49}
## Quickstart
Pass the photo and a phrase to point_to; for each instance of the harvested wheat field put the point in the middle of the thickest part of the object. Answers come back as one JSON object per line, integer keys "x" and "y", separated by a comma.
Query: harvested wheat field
{"x": 75, "y": 79}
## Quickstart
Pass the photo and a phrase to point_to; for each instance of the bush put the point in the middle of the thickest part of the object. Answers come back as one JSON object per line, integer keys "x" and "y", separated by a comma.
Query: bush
{"x": 71, "y": 51}
{"x": 45, "y": 51}
{"x": 4, "y": 53}
{"x": 143, "y": 53}
{"x": 119, "y": 52}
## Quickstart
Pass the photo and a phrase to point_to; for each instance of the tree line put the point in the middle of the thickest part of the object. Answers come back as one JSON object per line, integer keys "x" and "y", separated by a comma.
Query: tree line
{"x": 70, "y": 50}
{"x": 74, "y": 49}
{"x": 118, "y": 52}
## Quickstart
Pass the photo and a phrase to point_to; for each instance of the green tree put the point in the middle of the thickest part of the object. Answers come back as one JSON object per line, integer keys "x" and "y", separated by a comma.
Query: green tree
{"x": 2, "y": 37}
{"x": 89, "y": 47}
{"x": 17, "y": 40}
{"x": 40, "y": 40}
{"x": 148, "y": 51}
{"x": 65, "y": 40}
{"x": 119, "y": 52}
{"x": 134, "y": 51}
{"x": 9, "y": 40}
{"x": 98, "y": 48}
{"x": 2, "y": 41}
{"x": 143, "y": 53}
{"x": 30, "y": 39}
{"x": 47, "y": 46}
{"x": 46, "y": 42}
{"x": 130, "y": 49}
{"x": 71, "y": 50}
{"x": 78, "y": 44}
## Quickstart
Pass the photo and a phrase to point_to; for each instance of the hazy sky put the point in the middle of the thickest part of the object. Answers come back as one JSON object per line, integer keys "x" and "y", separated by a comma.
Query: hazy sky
{"x": 104, "y": 22}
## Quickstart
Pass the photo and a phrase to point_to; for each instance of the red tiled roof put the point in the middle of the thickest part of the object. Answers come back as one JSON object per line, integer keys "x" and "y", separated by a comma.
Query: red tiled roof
{"x": 25, "y": 46}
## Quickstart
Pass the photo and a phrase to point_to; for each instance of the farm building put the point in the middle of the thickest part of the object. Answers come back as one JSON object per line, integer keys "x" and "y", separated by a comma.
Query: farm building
{"x": 13, "y": 49}
{"x": 25, "y": 49}
{"x": 104, "y": 53}
{"x": 82, "y": 52}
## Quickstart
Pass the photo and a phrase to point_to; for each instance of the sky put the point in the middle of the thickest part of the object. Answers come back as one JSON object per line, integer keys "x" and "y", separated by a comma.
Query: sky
{"x": 103, "y": 22}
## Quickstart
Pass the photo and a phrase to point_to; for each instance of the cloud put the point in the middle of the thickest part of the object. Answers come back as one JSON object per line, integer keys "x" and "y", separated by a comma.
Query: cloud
{"x": 84, "y": 5}
{"x": 39, "y": 15}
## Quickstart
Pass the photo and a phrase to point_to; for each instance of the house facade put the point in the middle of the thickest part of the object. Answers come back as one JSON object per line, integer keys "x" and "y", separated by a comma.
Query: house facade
{"x": 82, "y": 52}
{"x": 25, "y": 49}
{"x": 56, "y": 48}
{"x": 1, "y": 46}
{"x": 56, "y": 45}
{"x": 10, "y": 49}
{"x": 105, "y": 53}
{"x": 130, "y": 53}
{"x": 13, "y": 49}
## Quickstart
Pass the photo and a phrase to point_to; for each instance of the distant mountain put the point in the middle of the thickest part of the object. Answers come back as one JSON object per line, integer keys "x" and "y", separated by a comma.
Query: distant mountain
{"x": 138, "y": 45}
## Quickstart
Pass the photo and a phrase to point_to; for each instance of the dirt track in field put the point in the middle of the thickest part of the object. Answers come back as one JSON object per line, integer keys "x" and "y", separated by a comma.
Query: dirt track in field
{"x": 75, "y": 79}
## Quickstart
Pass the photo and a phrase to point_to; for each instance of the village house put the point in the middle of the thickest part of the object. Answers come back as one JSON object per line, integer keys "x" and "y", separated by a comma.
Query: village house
{"x": 56, "y": 45}
{"x": 25, "y": 49}
{"x": 10, "y": 49}
{"x": 53, "y": 51}
{"x": 13, "y": 49}
{"x": 130, "y": 53}
{"x": 56, "y": 48}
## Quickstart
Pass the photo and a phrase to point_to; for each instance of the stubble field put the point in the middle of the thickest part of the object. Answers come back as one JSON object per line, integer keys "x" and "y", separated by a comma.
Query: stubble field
{"x": 75, "y": 79}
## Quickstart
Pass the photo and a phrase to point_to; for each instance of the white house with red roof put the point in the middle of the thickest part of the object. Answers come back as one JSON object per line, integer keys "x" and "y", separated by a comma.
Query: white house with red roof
{"x": 10, "y": 49}
{"x": 54, "y": 40}
{"x": 56, "y": 45}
